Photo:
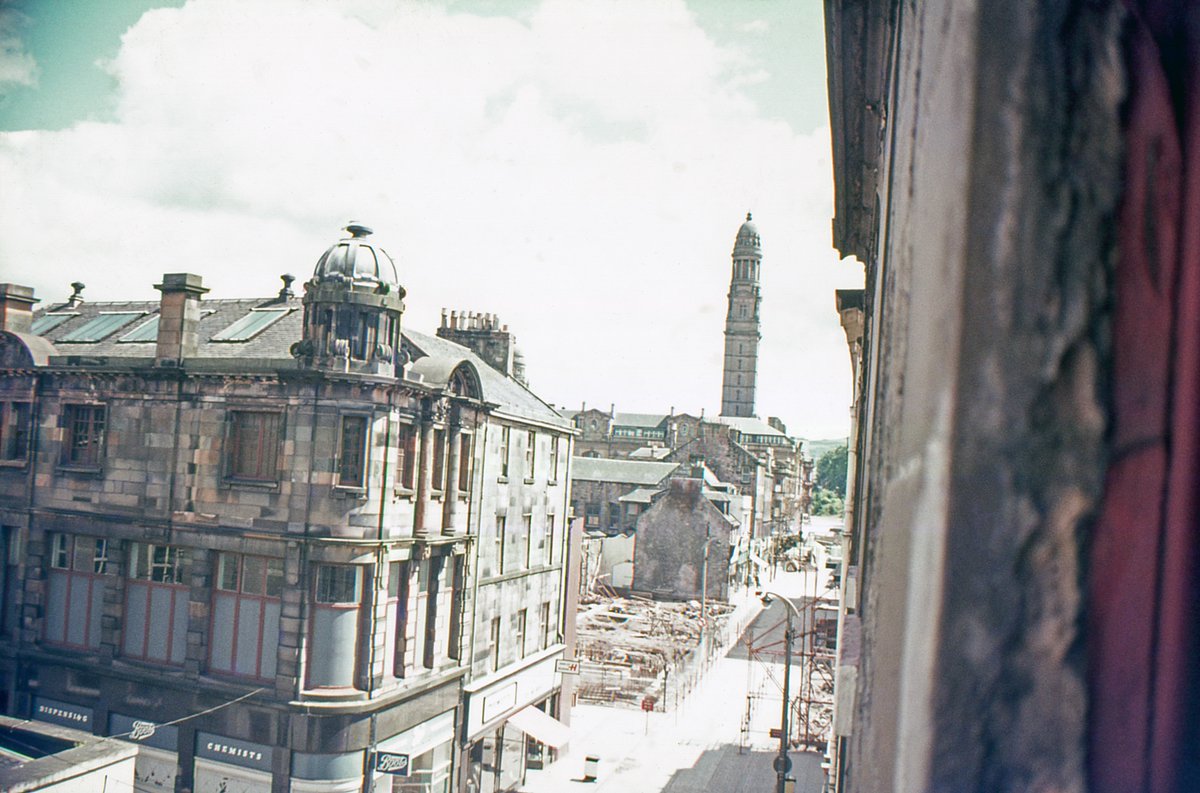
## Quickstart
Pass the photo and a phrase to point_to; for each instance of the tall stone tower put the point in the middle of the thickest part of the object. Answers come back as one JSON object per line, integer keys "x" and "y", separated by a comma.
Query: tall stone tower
{"x": 742, "y": 325}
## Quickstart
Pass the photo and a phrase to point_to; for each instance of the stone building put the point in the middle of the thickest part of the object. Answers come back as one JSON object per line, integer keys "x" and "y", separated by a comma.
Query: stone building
{"x": 684, "y": 545}
{"x": 1021, "y": 183}
{"x": 758, "y": 456}
{"x": 610, "y": 494}
{"x": 280, "y": 542}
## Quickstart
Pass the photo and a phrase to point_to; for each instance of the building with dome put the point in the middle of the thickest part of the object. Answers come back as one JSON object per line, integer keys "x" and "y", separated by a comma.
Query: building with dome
{"x": 281, "y": 543}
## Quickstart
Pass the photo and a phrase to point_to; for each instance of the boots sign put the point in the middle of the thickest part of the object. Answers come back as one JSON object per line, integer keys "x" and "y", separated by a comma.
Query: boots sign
{"x": 391, "y": 763}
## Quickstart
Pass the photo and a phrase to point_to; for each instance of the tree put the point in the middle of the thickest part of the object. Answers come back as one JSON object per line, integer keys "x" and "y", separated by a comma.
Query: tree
{"x": 826, "y": 502}
{"x": 831, "y": 471}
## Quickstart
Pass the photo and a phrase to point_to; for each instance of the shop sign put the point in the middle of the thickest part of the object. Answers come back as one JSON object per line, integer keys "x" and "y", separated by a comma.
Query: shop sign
{"x": 144, "y": 731}
{"x": 391, "y": 763}
{"x": 64, "y": 713}
{"x": 234, "y": 751}
{"x": 565, "y": 667}
{"x": 500, "y": 701}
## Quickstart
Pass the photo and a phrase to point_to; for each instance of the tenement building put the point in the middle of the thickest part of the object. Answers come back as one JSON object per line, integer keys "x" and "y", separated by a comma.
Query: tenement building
{"x": 280, "y": 543}
{"x": 757, "y": 456}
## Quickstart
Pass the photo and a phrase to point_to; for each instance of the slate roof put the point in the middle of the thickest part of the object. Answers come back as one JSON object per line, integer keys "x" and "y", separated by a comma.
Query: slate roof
{"x": 650, "y": 453}
{"x": 512, "y": 397}
{"x": 641, "y": 495}
{"x": 749, "y": 426}
{"x": 638, "y": 419}
{"x": 631, "y": 472}
{"x": 274, "y": 343}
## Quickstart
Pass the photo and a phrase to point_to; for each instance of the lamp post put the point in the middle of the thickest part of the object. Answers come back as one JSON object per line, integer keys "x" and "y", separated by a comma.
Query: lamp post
{"x": 783, "y": 763}
{"x": 704, "y": 591}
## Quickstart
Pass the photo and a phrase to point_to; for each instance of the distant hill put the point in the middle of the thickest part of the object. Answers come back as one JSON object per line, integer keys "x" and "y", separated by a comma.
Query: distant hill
{"x": 815, "y": 449}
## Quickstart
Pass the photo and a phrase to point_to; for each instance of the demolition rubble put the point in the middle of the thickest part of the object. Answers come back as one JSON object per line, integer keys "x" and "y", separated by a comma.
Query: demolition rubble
{"x": 644, "y": 653}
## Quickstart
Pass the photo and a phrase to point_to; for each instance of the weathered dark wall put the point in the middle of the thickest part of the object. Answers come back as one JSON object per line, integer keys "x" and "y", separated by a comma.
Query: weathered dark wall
{"x": 1030, "y": 417}
{"x": 669, "y": 556}
{"x": 983, "y": 419}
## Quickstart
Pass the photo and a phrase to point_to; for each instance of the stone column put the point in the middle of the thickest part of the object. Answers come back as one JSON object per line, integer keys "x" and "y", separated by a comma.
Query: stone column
{"x": 424, "y": 521}
{"x": 453, "y": 467}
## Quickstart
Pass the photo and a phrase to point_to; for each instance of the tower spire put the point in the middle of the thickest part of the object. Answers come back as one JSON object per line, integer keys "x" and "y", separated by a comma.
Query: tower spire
{"x": 742, "y": 328}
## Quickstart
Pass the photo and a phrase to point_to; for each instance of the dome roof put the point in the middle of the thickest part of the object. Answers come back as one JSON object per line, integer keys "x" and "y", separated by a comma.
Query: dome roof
{"x": 747, "y": 236}
{"x": 356, "y": 259}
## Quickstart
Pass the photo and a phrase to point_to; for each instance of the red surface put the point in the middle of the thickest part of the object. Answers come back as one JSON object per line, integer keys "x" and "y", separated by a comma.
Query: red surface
{"x": 1143, "y": 596}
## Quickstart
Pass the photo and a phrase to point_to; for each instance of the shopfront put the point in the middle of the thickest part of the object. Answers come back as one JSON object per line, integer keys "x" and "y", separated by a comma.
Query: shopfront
{"x": 157, "y": 760}
{"x": 510, "y": 726}
{"x": 418, "y": 760}
{"x": 229, "y": 765}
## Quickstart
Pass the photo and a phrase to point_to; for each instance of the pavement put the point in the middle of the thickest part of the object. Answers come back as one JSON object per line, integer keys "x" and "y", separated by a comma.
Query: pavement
{"x": 717, "y": 740}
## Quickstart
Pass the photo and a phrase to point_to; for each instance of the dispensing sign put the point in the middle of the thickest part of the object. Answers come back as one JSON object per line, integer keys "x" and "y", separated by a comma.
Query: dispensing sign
{"x": 391, "y": 763}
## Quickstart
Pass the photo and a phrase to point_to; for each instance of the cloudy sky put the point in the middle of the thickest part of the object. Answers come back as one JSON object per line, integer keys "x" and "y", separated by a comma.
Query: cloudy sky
{"x": 578, "y": 167}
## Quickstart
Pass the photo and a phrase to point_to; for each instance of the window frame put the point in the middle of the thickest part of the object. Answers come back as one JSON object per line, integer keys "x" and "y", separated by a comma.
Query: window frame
{"x": 96, "y": 569}
{"x": 72, "y": 416}
{"x": 530, "y": 456}
{"x": 465, "y": 467}
{"x": 16, "y": 431}
{"x": 243, "y": 599}
{"x": 407, "y": 450}
{"x": 494, "y": 655}
{"x": 437, "y": 477}
{"x": 355, "y": 483}
{"x": 233, "y": 450}
{"x": 521, "y": 636}
{"x": 177, "y": 562}
{"x": 354, "y": 603}
{"x": 546, "y": 624}
{"x": 505, "y": 448}
{"x": 553, "y": 478}
{"x": 501, "y": 537}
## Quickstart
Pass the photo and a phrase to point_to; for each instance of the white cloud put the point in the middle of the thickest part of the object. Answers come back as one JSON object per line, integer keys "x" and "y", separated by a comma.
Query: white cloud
{"x": 756, "y": 26}
{"x": 16, "y": 65}
{"x": 582, "y": 172}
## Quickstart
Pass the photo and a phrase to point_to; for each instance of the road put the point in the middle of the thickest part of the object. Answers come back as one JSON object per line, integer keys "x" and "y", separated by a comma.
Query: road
{"x": 708, "y": 744}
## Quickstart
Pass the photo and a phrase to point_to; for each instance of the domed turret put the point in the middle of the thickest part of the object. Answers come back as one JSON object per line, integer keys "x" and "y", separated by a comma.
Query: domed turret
{"x": 355, "y": 258}
{"x": 352, "y": 308}
{"x": 748, "y": 241}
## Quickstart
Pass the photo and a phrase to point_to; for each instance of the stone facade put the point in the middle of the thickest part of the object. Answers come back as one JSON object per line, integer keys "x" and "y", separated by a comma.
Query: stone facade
{"x": 279, "y": 522}
{"x": 759, "y": 457}
{"x": 680, "y": 538}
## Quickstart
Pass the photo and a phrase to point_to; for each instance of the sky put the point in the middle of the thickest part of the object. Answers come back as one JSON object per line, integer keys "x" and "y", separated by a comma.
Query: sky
{"x": 578, "y": 167}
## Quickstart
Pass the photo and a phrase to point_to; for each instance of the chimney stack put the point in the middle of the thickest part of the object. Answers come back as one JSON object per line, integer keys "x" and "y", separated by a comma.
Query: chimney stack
{"x": 178, "y": 317}
{"x": 16, "y": 308}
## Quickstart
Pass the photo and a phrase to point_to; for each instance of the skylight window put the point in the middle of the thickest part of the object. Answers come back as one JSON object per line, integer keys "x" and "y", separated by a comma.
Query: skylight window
{"x": 252, "y": 324}
{"x": 48, "y": 322}
{"x": 101, "y": 327}
{"x": 147, "y": 331}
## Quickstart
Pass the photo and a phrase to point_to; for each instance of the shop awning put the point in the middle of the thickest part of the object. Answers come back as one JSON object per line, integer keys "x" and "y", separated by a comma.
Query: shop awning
{"x": 541, "y": 727}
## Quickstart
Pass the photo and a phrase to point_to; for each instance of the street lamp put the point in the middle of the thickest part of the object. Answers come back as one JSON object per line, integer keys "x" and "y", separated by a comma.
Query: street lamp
{"x": 783, "y": 763}
{"x": 704, "y": 593}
